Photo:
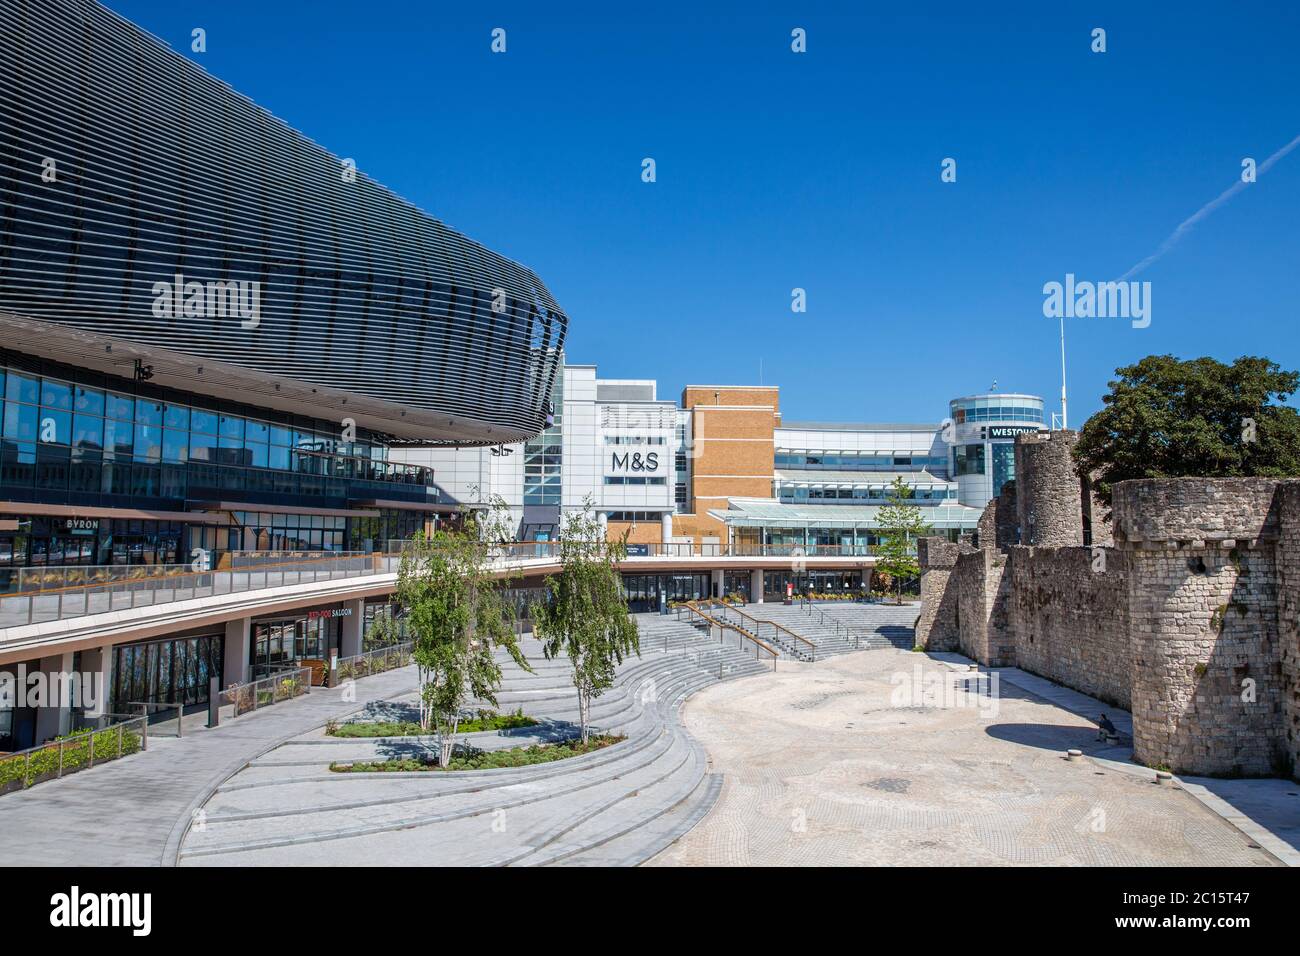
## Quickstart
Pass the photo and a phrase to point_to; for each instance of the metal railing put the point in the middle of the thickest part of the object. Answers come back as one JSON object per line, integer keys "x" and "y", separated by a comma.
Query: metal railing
{"x": 551, "y": 549}
{"x": 696, "y": 615}
{"x": 778, "y": 634}
{"x": 55, "y": 594}
{"x": 375, "y": 661}
{"x": 274, "y": 689}
{"x": 842, "y": 630}
{"x": 78, "y": 751}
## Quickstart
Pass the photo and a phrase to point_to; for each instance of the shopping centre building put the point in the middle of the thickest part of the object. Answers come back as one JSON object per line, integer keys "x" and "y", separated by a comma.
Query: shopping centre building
{"x": 721, "y": 473}
{"x": 214, "y": 336}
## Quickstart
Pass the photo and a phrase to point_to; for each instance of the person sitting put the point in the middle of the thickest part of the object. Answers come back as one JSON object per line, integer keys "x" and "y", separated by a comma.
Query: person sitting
{"x": 1106, "y": 730}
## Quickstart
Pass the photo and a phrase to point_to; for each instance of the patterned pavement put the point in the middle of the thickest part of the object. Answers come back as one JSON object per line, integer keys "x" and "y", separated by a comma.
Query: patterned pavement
{"x": 823, "y": 768}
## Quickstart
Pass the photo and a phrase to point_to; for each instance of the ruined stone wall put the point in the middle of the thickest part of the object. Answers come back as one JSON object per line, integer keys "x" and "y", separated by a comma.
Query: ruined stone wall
{"x": 1288, "y": 564}
{"x": 983, "y": 631}
{"x": 997, "y": 526}
{"x": 1192, "y": 619}
{"x": 936, "y": 628}
{"x": 1068, "y": 613}
{"x": 1204, "y": 602}
{"x": 1049, "y": 506}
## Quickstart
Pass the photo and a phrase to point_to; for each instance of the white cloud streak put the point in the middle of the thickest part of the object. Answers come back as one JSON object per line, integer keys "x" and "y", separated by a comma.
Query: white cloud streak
{"x": 1189, "y": 223}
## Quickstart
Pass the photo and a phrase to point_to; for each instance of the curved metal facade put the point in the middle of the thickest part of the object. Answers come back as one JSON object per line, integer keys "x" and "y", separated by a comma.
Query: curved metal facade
{"x": 124, "y": 165}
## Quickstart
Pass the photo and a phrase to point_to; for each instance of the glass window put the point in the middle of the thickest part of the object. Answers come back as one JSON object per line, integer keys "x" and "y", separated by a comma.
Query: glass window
{"x": 148, "y": 413}
{"x": 118, "y": 437}
{"x": 89, "y": 401}
{"x": 176, "y": 416}
{"x": 281, "y": 435}
{"x": 148, "y": 443}
{"x": 256, "y": 431}
{"x": 201, "y": 421}
{"x": 20, "y": 420}
{"x": 278, "y": 458}
{"x": 55, "y": 427}
{"x": 258, "y": 454}
{"x": 119, "y": 406}
{"x": 56, "y": 395}
{"x": 87, "y": 431}
{"x": 231, "y": 426}
{"x": 175, "y": 445}
{"x": 21, "y": 388}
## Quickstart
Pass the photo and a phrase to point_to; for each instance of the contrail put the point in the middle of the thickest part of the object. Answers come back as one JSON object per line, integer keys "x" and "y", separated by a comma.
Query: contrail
{"x": 1186, "y": 225}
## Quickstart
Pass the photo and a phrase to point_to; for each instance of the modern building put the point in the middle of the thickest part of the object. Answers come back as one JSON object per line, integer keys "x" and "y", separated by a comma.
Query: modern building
{"x": 215, "y": 335}
{"x": 722, "y": 471}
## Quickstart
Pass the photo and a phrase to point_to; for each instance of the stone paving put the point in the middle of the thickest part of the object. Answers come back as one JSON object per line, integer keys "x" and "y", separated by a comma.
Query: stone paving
{"x": 820, "y": 768}
{"x": 133, "y": 812}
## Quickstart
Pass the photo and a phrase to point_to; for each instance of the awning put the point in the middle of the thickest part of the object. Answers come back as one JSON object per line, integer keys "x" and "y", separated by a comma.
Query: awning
{"x": 87, "y": 511}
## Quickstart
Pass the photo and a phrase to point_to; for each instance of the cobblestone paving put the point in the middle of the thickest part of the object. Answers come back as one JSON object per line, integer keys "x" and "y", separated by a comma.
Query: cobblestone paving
{"x": 821, "y": 769}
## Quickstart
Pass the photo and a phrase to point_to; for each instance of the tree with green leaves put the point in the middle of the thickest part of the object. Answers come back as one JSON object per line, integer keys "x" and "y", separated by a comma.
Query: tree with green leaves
{"x": 584, "y": 615}
{"x": 457, "y": 616}
{"x": 1166, "y": 418}
{"x": 899, "y": 525}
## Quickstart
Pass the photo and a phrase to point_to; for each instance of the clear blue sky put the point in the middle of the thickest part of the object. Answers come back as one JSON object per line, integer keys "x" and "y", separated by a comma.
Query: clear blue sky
{"x": 821, "y": 171}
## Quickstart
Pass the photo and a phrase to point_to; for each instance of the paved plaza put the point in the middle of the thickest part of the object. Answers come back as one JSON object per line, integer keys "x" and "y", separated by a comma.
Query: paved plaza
{"x": 820, "y": 768}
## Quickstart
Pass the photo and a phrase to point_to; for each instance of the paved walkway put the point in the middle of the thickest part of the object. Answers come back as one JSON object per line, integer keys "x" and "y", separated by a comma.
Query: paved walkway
{"x": 133, "y": 812}
{"x": 854, "y": 767}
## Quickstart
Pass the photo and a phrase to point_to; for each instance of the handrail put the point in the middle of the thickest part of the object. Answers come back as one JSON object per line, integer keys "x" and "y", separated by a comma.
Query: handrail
{"x": 838, "y": 624}
{"x": 77, "y": 751}
{"x": 759, "y": 622}
{"x": 727, "y": 625}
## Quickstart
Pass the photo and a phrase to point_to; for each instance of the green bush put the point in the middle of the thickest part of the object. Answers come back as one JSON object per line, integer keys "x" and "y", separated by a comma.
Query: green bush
{"x": 474, "y": 759}
{"x": 484, "y": 720}
{"x": 77, "y": 749}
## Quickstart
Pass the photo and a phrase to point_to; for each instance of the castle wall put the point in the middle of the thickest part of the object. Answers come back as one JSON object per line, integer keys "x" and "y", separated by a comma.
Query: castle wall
{"x": 1069, "y": 617}
{"x": 936, "y": 628}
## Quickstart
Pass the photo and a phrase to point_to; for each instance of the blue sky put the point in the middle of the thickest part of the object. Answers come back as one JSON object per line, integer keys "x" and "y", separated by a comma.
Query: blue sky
{"x": 821, "y": 171}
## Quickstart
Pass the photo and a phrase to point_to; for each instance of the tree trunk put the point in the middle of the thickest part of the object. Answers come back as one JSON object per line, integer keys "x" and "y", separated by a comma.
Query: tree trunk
{"x": 447, "y": 743}
{"x": 584, "y": 712}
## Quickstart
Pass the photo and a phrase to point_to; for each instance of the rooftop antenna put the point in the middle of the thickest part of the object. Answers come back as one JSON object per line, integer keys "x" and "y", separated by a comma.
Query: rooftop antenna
{"x": 994, "y": 386}
{"x": 760, "y": 370}
{"x": 1064, "y": 420}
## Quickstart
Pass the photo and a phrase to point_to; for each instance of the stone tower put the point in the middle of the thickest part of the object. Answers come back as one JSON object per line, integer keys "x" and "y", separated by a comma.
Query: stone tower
{"x": 1049, "y": 503}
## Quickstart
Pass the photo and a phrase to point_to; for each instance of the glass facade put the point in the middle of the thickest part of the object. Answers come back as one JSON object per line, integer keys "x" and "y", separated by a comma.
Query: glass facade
{"x": 852, "y": 461}
{"x": 997, "y": 408}
{"x": 643, "y": 590}
{"x": 795, "y": 495}
{"x": 68, "y": 437}
{"x": 164, "y": 672}
{"x": 544, "y": 456}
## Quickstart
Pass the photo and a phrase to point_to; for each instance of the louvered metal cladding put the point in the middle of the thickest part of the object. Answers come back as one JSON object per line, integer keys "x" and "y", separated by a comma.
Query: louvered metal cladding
{"x": 163, "y": 170}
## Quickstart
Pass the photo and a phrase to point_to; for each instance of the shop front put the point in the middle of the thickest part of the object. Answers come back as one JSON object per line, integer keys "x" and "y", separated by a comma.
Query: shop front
{"x": 176, "y": 670}
{"x": 644, "y": 591}
{"x": 300, "y": 639}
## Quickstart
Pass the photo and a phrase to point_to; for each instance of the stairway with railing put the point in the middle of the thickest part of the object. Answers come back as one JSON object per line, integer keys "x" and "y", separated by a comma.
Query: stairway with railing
{"x": 786, "y": 640}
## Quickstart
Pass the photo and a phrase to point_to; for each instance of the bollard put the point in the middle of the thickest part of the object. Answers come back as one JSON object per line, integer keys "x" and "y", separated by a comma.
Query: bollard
{"x": 1074, "y": 755}
{"x": 332, "y": 673}
{"x": 1164, "y": 778}
{"x": 214, "y": 702}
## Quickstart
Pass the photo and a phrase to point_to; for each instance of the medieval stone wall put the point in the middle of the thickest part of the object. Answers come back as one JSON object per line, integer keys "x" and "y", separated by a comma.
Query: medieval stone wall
{"x": 1049, "y": 509}
{"x": 983, "y": 629}
{"x": 1068, "y": 612}
{"x": 936, "y": 628}
{"x": 1192, "y": 620}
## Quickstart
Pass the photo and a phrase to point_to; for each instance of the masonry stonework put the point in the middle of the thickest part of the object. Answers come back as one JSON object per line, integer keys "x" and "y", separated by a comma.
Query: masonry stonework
{"x": 1191, "y": 620}
{"x": 1048, "y": 505}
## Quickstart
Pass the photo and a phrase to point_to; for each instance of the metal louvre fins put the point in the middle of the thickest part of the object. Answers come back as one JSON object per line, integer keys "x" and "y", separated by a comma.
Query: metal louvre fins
{"x": 124, "y": 165}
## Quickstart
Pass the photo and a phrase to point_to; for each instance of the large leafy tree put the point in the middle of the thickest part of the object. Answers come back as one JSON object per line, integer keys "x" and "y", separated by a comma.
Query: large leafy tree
{"x": 899, "y": 525}
{"x": 1166, "y": 418}
{"x": 457, "y": 615}
{"x": 584, "y": 615}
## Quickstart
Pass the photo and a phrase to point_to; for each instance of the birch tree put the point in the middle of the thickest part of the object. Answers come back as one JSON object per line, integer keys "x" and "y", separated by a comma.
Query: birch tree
{"x": 584, "y": 615}
{"x": 457, "y": 616}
